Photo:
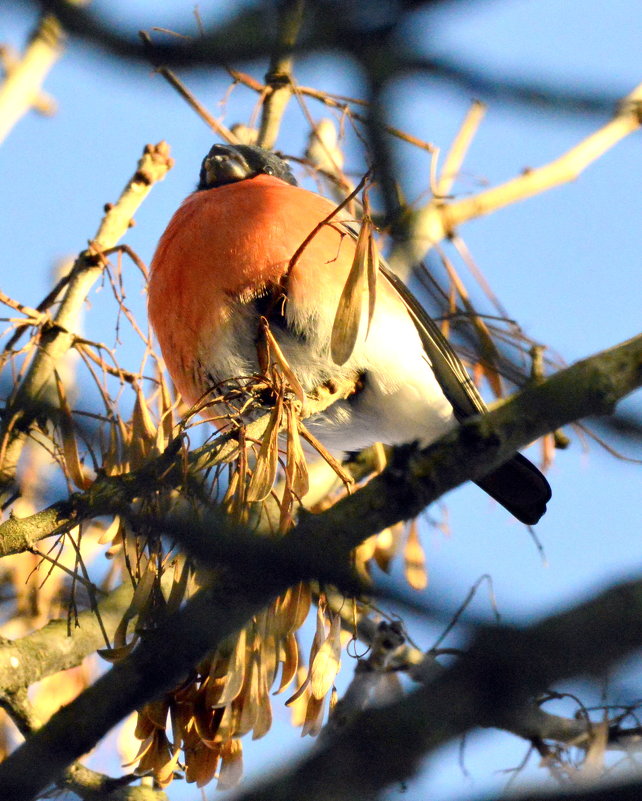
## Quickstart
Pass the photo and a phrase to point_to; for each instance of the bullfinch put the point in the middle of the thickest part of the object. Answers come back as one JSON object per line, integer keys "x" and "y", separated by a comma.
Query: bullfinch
{"x": 227, "y": 259}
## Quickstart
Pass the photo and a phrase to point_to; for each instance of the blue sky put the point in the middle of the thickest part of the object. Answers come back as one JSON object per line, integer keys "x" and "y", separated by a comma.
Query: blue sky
{"x": 565, "y": 264}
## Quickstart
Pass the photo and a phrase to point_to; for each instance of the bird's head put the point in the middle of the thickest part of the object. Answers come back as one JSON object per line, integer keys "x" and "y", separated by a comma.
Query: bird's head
{"x": 226, "y": 164}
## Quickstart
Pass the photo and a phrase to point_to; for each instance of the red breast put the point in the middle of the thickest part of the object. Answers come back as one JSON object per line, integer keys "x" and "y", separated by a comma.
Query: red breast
{"x": 230, "y": 243}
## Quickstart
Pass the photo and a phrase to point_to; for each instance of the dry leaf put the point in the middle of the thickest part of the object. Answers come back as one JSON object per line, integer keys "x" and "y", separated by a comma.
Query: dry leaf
{"x": 278, "y": 358}
{"x": 345, "y": 328}
{"x": 267, "y": 460}
{"x": 325, "y": 454}
{"x": 235, "y": 675}
{"x": 373, "y": 272}
{"x": 299, "y": 706}
{"x": 164, "y": 773}
{"x": 110, "y": 532}
{"x": 112, "y": 456}
{"x": 247, "y": 703}
{"x": 201, "y": 764}
{"x": 368, "y": 547}
{"x": 232, "y": 765}
{"x": 142, "y": 594}
{"x": 290, "y": 662}
{"x": 313, "y": 717}
{"x": 156, "y": 756}
{"x": 263, "y": 720}
{"x": 143, "y": 435}
{"x": 415, "y": 560}
{"x": 75, "y": 469}
{"x": 166, "y": 427}
{"x": 143, "y": 747}
{"x": 179, "y": 584}
{"x": 156, "y": 712}
{"x": 297, "y": 465}
{"x": 294, "y": 607}
{"x": 387, "y": 542}
{"x": 327, "y": 661}
{"x": 317, "y": 642}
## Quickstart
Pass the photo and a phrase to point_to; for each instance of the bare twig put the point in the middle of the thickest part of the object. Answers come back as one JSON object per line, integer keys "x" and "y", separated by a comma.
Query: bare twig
{"x": 344, "y": 104}
{"x": 21, "y": 89}
{"x": 279, "y": 74}
{"x": 459, "y": 148}
{"x": 58, "y": 338}
{"x": 564, "y": 169}
{"x": 439, "y": 219}
{"x": 175, "y": 82}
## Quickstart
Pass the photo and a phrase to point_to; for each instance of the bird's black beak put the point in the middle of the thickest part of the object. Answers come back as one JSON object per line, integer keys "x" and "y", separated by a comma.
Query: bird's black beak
{"x": 223, "y": 165}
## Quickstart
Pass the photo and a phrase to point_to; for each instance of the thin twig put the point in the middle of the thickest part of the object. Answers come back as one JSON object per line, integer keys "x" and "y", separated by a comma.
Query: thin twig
{"x": 175, "y": 82}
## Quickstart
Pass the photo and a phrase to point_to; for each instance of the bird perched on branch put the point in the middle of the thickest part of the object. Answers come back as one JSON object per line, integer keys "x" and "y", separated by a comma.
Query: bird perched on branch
{"x": 250, "y": 247}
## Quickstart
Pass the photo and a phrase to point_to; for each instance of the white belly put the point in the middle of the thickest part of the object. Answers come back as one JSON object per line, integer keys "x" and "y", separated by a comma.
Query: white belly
{"x": 400, "y": 401}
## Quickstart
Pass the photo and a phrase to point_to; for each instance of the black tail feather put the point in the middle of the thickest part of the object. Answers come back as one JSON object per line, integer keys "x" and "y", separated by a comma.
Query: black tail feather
{"x": 520, "y": 488}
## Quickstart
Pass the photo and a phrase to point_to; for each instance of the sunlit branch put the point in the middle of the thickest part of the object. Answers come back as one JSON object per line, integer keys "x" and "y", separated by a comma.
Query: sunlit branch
{"x": 58, "y": 338}
{"x": 54, "y": 647}
{"x": 440, "y": 218}
{"x": 21, "y": 88}
{"x": 279, "y": 74}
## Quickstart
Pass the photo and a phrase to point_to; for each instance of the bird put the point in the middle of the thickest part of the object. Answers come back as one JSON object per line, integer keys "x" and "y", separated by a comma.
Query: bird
{"x": 250, "y": 244}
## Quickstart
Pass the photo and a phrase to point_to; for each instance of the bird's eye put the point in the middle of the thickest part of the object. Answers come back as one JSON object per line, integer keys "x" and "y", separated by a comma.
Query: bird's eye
{"x": 268, "y": 171}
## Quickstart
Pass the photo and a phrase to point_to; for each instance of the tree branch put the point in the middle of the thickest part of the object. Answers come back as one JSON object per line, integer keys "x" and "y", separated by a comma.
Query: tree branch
{"x": 20, "y": 90}
{"x": 439, "y": 219}
{"x": 109, "y": 494}
{"x": 56, "y": 340}
{"x": 54, "y": 648}
{"x": 504, "y": 666}
{"x": 88, "y": 784}
{"x": 279, "y": 75}
{"x": 244, "y": 37}
{"x": 93, "y": 786}
{"x": 589, "y": 387}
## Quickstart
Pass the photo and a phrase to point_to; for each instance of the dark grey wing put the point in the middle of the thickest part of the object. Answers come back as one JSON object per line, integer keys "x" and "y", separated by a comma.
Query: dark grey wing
{"x": 518, "y": 485}
{"x": 453, "y": 377}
